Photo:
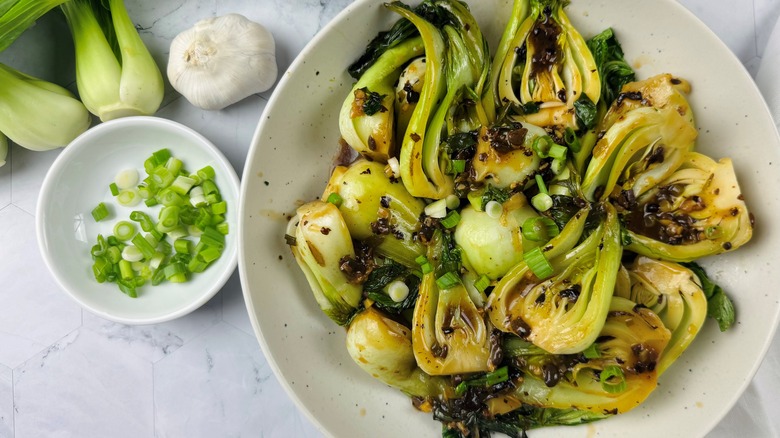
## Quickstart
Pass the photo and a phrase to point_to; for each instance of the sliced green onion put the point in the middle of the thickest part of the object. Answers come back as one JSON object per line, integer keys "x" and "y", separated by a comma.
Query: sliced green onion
{"x": 144, "y": 246}
{"x": 448, "y": 281}
{"x": 557, "y": 152}
{"x": 182, "y": 245}
{"x": 161, "y": 157}
{"x": 212, "y": 237}
{"x": 457, "y": 166}
{"x": 162, "y": 177}
{"x": 613, "y": 380}
{"x": 482, "y": 283}
{"x": 143, "y": 219}
{"x": 99, "y": 269}
{"x": 206, "y": 173}
{"x": 540, "y": 183}
{"x": 182, "y": 184}
{"x": 213, "y": 198}
{"x": 397, "y": 290}
{"x": 174, "y": 165}
{"x": 451, "y": 220}
{"x": 209, "y": 188}
{"x": 124, "y": 230}
{"x": 144, "y": 192}
{"x": 538, "y": 263}
{"x": 542, "y": 201}
{"x": 494, "y": 209}
{"x": 557, "y": 166}
{"x": 127, "y": 287}
{"x": 114, "y": 254}
{"x": 209, "y": 254}
{"x": 114, "y": 189}
{"x": 128, "y": 197}
{"x": 437, "y": 209}
{"x": 100, "y": 212}
{"x": 126, "y": 179}
{"x": 222, "y": 228}
{"x": 132, "y": 254}
{"x": 151, "y": 202}
{"x": 426, "y": 268}
{"x": 126, "y": 270}
{"x": 175, "y": 273}
{"x": 539, "y": 229}
{"x": 169, "y": 219}
{"x": 334, "y": 198}
{"x": 453, "y": 202}
{"x": 421, "y": 260}
{"x": 169, "y": 197}
{"x": 541, "y": 145}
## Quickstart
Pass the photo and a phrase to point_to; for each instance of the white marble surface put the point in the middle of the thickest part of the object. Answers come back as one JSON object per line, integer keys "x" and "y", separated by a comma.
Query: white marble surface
{"x": 67, "y": 373}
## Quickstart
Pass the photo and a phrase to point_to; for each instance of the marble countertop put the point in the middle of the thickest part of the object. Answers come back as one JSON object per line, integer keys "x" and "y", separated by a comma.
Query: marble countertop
{"x": 65, "y": 372}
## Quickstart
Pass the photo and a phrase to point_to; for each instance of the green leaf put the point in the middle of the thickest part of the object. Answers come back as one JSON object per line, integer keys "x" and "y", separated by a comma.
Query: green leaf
{"x": 719, "y": 305}
{"x": 613, "y": 68}
{"x": 586, "y": 112}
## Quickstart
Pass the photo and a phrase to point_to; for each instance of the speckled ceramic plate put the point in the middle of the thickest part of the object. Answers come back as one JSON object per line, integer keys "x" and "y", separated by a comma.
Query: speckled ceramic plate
{"x": 292, "y": 154}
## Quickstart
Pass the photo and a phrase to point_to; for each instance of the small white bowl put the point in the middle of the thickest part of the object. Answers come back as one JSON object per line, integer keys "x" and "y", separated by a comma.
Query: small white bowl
{"x": 79, "y": 179}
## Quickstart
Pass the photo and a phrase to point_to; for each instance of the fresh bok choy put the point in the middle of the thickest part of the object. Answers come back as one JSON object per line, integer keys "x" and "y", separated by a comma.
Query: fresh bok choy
{"x": 3, "y": 149}
{"x": 115, "y": 73}
{"x": 18, "y": 15}
{"x": 37, "y": 114}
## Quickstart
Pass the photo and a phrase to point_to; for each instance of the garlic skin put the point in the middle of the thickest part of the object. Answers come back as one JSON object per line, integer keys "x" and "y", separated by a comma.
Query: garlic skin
{"x": 222, "y": 60}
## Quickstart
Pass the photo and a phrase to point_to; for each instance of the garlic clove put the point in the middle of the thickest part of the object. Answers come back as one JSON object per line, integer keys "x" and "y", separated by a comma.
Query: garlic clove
{"x": 222, "y": 60}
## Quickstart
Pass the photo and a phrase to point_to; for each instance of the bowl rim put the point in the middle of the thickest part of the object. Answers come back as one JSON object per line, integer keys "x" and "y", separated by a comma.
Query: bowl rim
{"x": 63, "y": 158}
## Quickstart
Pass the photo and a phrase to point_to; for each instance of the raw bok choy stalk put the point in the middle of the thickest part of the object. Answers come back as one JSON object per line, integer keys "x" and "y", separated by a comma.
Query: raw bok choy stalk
{"x": 457, "y": 63}
{"x": 697, "y": 211}
{"x": 37, "y": 114}
{"x": 450, "y": 335}
{"x": 377, "y": 210}
{"x": 115, "y": 73}
{"x": 382, "y": 347}
{"x": 613, "y": 375}
{"x": 559, "y": 296}
{"x": 320, "y": 241}
{"x": 646, "y": 134}
{"x": 16, "y": 16}
{"x": 673, "y": 293}
{"x": 547, "y": 73}
{"x": 3, "y": 149}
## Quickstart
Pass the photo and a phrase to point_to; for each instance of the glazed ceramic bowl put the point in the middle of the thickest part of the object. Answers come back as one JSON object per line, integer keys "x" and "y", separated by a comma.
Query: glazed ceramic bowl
{"x": 79, "y": 179}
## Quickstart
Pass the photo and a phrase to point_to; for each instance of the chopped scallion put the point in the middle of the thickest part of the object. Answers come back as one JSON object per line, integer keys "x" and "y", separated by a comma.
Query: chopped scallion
{"x": 538, "y": 263}
{"x": 448, "y": 280}
{"x": 100, "y": 212}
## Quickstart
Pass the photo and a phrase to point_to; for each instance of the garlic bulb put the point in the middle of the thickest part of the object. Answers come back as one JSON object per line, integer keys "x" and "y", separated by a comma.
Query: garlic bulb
{"x": 221, "y": 61}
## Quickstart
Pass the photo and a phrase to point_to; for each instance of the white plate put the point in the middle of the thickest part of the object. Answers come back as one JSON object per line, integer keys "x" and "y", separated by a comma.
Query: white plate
{"x": 291, "y": 157}
{"x": 79, "y": 179}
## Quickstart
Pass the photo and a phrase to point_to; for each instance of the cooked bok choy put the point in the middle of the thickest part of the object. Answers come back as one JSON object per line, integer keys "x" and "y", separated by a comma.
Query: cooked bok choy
{"x": 510, "y": 249}
{"x": 115, "y": 73}
{"x": 548, "y": 73}
{"x": 450, "y": 335}
{"x": 321, "y": 243}
{"x": 37, "y": 114}
{"x": 563, "y": 310}
{"x": 697, "y": 211}
{"x": 377, "y": 210}
{"x": 673, "y": 293}
{"x": 614, "y": 376}
{"x": 382, "y": 347}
